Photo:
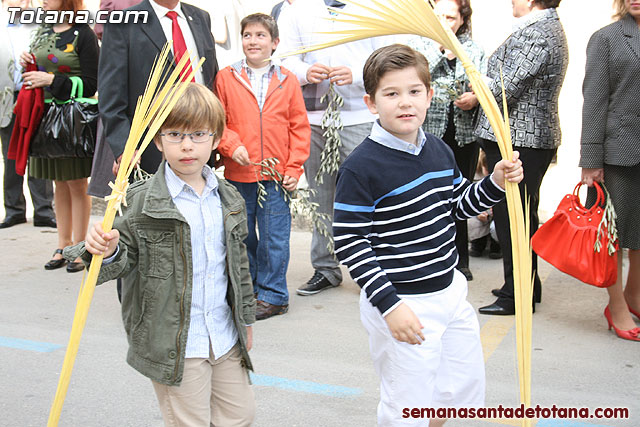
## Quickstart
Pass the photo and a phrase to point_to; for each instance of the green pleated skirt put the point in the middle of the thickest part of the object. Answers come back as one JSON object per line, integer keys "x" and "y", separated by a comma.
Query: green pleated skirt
{"x": 59, "y": 169}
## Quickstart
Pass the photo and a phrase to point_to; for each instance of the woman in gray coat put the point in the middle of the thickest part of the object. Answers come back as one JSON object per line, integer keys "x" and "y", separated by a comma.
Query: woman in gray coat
{"x": 610, "y": 150}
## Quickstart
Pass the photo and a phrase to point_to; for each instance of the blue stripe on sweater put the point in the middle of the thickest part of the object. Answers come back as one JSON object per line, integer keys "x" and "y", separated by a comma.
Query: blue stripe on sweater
{"x": 353, "y": 208}
{"x": 416, "y": 182}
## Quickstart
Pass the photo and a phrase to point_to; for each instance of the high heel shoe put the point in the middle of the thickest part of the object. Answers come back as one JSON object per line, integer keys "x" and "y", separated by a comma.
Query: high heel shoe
{"x": 631, "y": 334}
{"x": 632, "y": 311}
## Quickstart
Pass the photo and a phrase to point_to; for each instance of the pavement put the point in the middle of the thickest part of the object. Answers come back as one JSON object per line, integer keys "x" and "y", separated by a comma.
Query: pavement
{"x": 312, "y": 364}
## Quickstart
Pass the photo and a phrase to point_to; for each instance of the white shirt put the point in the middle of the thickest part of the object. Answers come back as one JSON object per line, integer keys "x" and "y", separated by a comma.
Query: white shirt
{"x": 166, "y": 23}
{"x": 211, "y": 324}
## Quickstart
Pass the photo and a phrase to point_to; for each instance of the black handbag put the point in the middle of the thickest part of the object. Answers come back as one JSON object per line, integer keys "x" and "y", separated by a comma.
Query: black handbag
{"x": 68, "y": 128}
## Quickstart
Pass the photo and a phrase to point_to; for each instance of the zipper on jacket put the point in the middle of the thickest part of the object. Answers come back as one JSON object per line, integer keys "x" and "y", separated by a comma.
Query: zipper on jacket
{"x": 261, "y": 134}
{"x": 261, "y": 142}
{"x": 184, "y": 290}
{"x": 260, "y": 108}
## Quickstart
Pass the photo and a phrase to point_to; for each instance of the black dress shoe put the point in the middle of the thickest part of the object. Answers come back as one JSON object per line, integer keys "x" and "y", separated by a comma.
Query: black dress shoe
{"x": 497, "y": 310}
{"x": 496, "y": 292}
{"x": 10, "y": 222}
{"x": 74, "y": 267}
{"x": 45, "y": 222}
{"x": 55, "y": 263}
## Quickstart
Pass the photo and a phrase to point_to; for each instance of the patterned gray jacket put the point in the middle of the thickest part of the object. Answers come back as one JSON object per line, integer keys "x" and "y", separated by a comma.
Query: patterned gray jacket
{"x": 448, "y": 84}
{"x": 534, "y": 62}
{"x": 610, "y": 125}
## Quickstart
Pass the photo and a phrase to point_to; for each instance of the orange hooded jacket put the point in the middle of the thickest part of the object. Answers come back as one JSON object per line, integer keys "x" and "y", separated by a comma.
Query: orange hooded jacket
{"x": 280, "y": 130}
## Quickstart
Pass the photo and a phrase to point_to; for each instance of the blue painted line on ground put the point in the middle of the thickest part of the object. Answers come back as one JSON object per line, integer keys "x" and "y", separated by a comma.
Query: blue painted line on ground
{"x": 305, "y": 386}
{"x": 552, "y": 422}
{"x": 40, "y": 347}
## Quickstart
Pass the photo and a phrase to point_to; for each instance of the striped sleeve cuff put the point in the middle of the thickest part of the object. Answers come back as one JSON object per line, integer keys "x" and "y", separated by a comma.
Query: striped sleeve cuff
{"x": 386, "y": 301}
{"x": 493, "y": 190}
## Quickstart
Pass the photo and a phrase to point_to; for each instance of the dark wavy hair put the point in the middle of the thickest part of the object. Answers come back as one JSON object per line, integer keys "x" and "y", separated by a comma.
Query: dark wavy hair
{"x": 464, "y": 8}
{"x": 547, "y": 4}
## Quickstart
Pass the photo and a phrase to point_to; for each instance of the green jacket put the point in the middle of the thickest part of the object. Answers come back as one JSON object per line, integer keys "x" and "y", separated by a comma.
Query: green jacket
{"x": 154, "y": 262}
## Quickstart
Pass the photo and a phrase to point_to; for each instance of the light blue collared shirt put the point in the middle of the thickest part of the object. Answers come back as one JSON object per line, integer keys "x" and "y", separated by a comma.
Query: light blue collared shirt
{"x": 381, "y": 136}
{"x": 211, "y": 318}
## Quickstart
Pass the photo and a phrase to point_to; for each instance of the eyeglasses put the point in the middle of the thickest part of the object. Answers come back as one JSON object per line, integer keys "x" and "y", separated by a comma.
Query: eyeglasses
{"x": 197, "y": 137}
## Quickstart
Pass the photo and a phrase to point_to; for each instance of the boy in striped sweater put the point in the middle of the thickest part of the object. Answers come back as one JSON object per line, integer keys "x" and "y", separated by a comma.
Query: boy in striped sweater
{"x": 397, "y": 197}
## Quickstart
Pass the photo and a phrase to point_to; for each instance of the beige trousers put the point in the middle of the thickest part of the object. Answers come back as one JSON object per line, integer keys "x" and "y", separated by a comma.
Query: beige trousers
{"x": 212, "y": 393}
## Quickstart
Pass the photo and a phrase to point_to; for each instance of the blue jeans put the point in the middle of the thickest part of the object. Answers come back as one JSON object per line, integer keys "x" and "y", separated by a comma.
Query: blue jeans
{"x": 268, "y": 254}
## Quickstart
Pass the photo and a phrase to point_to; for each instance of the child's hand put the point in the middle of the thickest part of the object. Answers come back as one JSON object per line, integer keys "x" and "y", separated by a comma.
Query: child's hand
{"x": 241, "y": 156}
{"x": 405, "y": 325}
{"x": 289, "y": 183}
{"x": 510, "y": 170}
{"x": 100, "y": 243}
{"x": 249, "y": 337}
{"x": 484, "y": 216}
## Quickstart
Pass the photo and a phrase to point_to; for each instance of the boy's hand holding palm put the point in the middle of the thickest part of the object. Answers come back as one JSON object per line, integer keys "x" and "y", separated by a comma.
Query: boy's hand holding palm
{"x": 405, "y": 325}
{"x": 98, "y": 242}
{"x": 508, "y": 170}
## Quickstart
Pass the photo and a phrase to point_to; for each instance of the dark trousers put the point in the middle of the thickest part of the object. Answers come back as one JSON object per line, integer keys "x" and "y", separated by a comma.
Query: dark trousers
{"x": 467, "y": 160}
{"x": 535, "y": 163}
{"x": 41, "y": 190}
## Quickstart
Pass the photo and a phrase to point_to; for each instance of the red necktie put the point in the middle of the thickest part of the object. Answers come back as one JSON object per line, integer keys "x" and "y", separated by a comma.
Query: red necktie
{"x": 179, "y": 45}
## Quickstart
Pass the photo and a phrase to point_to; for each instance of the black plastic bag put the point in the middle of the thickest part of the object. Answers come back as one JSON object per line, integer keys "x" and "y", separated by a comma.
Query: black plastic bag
{"x": 68, "y": 128}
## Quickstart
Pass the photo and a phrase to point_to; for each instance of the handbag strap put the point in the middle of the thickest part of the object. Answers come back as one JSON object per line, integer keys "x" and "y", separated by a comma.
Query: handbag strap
{"x": 77, "y": 87}
{"x": 76, "y": 94}
{"x": 600, "y": 199}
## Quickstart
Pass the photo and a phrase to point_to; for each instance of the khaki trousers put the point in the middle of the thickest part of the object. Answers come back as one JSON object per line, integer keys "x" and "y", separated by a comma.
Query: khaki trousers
{"x": 212, "y": 393}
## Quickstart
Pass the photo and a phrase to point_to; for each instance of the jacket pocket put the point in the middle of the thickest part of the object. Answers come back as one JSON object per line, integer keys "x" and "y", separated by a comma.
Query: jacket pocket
{"x": 156, "y": 253}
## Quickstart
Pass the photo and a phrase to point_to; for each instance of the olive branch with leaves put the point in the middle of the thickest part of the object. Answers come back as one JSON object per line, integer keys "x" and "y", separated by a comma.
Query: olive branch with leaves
{"x": 332, "y": 125}
{"x": 298, "y": 200}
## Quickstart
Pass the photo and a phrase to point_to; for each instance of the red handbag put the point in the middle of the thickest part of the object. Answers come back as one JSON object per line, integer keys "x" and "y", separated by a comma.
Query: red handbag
{"x": 579, "y": 241}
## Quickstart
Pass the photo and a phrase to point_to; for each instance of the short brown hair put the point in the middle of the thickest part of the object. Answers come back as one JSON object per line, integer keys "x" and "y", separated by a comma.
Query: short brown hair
{"x": 266, "y": 21}
{"x": 197, "y": 108}
{"x": 392, "y": 58}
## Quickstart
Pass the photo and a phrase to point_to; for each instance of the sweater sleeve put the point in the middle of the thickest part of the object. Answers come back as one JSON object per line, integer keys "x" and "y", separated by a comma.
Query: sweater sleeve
{"x": 471, "y": 199}
{"x": 291, "y": 40}
{"x": 88, "y": 53}
{"x": 353, "y": 221}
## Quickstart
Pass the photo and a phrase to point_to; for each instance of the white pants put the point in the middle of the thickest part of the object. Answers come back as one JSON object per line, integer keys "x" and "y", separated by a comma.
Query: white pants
{"x": 446, "y": 370}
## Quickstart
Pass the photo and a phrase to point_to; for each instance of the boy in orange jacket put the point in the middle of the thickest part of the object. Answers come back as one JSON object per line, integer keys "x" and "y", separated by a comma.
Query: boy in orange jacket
{"x": 265, "y": 108}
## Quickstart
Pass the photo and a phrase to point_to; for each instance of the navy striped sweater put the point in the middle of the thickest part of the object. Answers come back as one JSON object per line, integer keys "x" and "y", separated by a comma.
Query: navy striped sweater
{"x": 394, "y": 218}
